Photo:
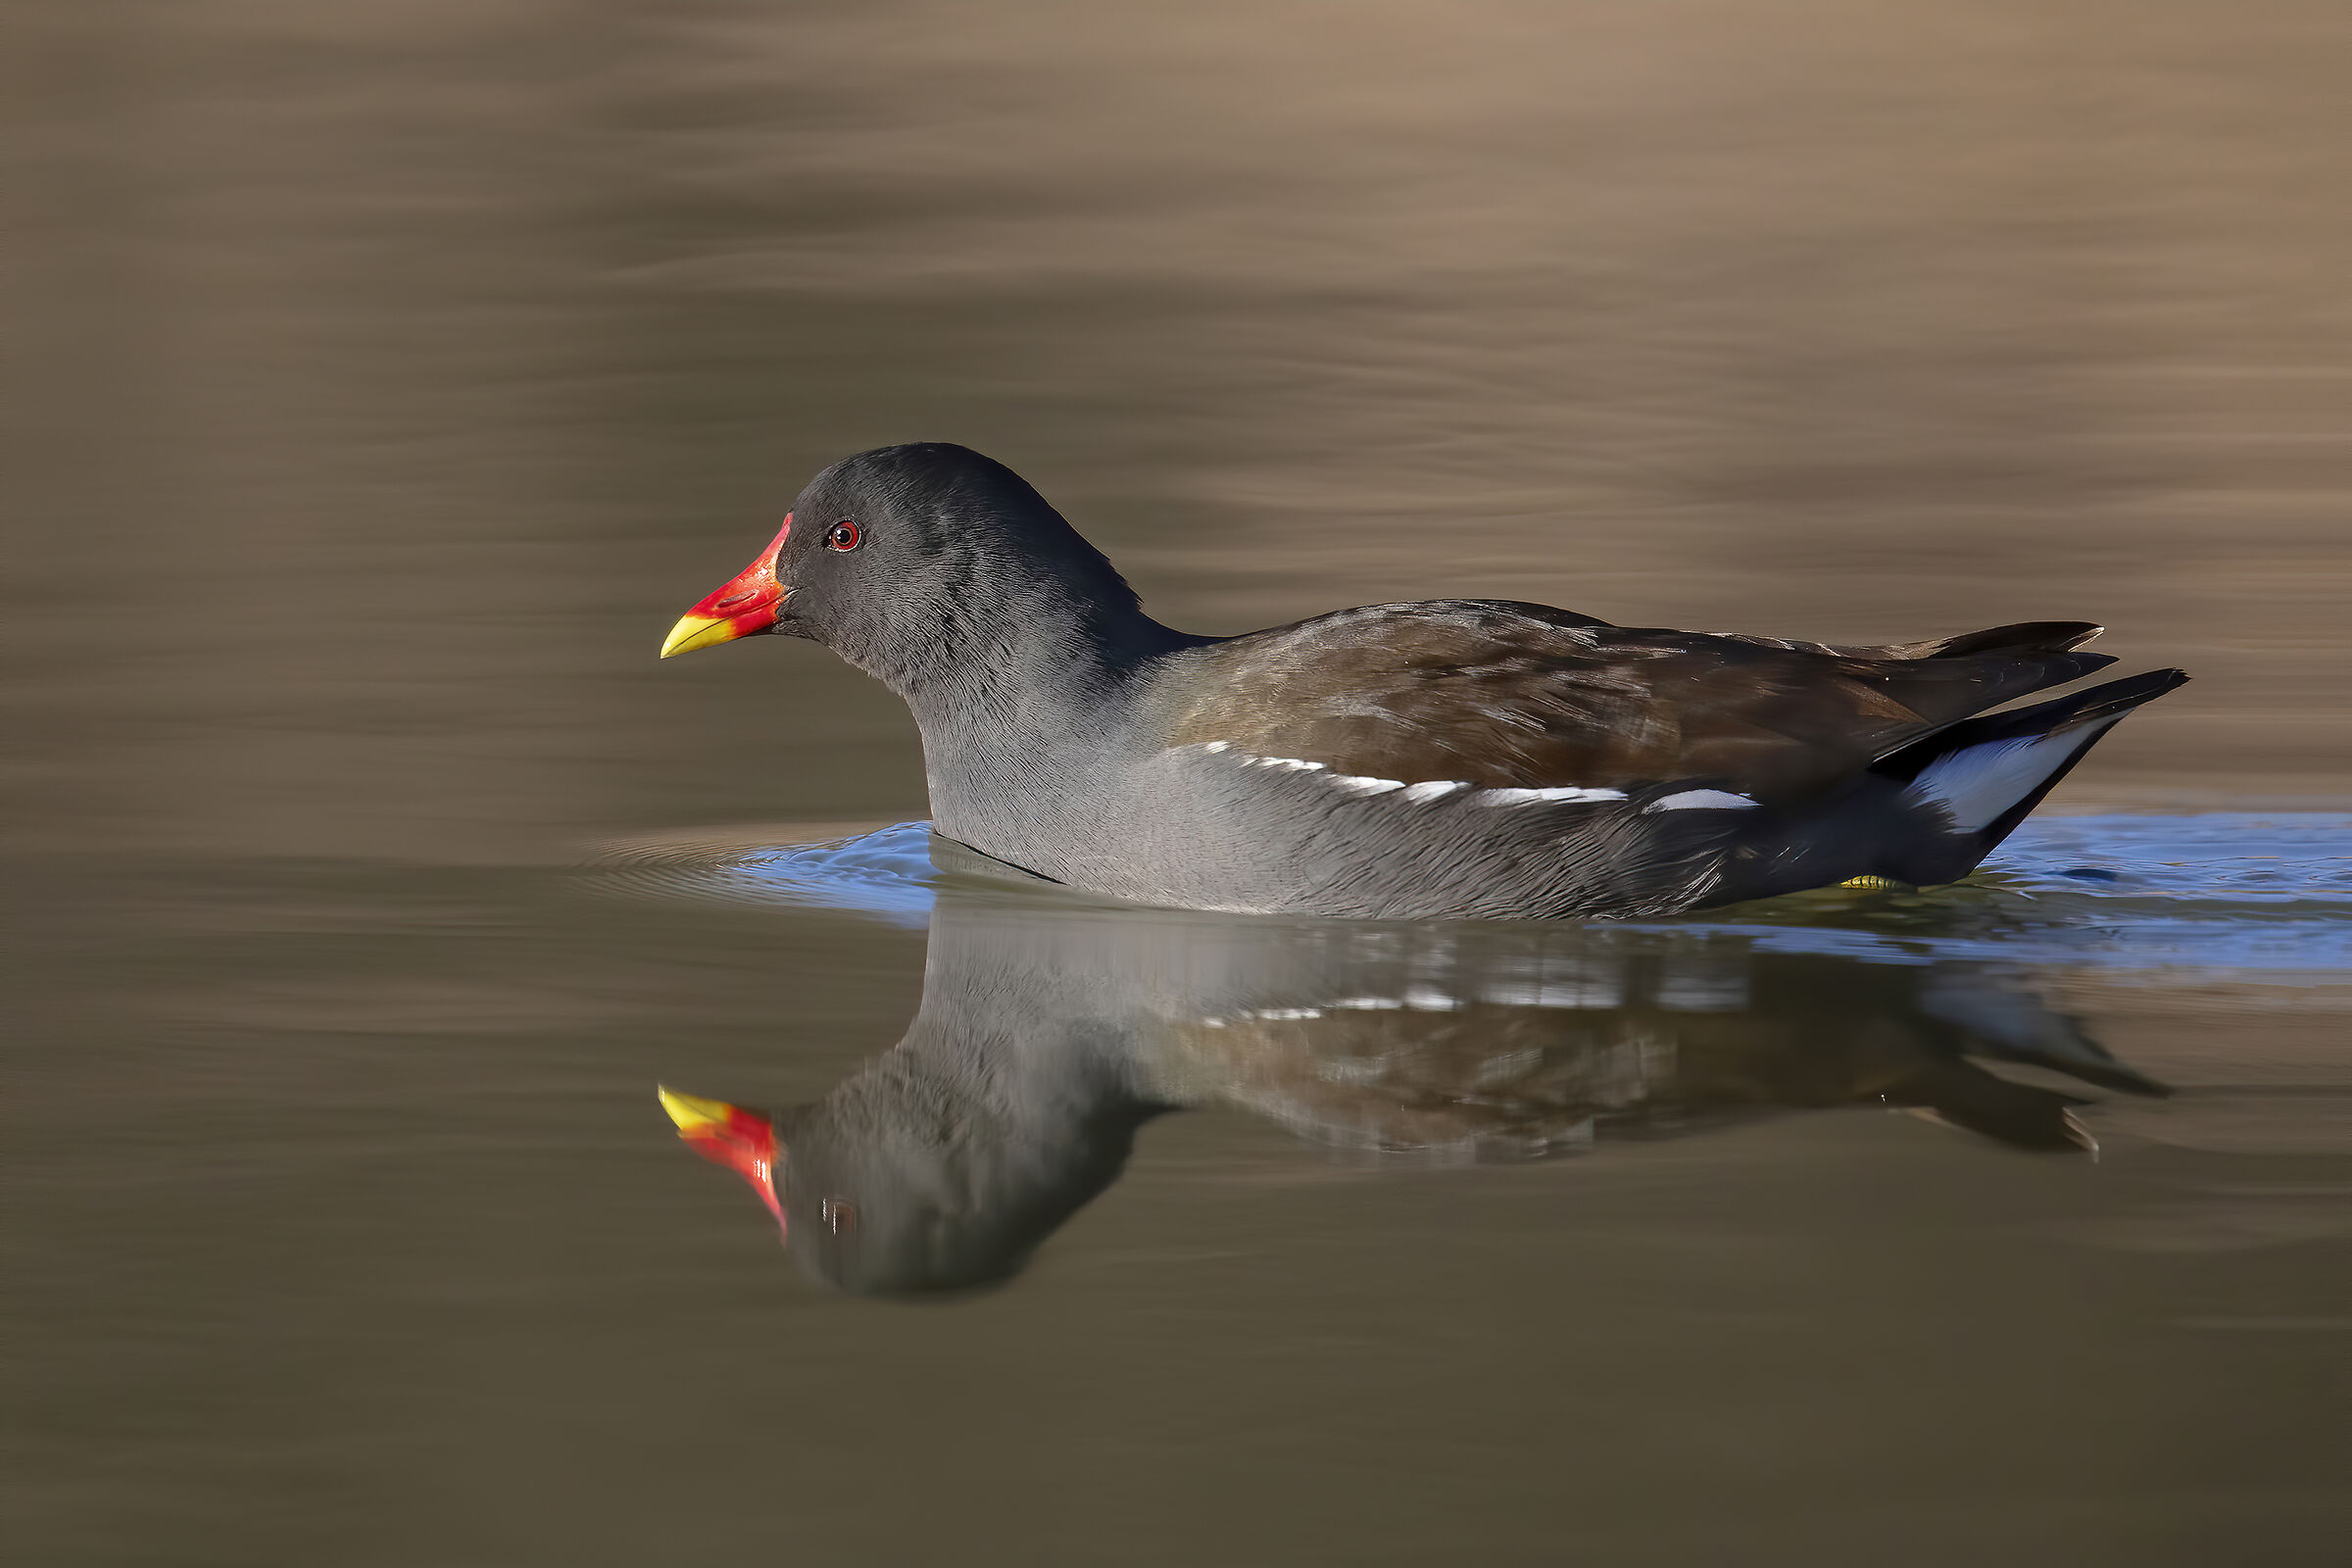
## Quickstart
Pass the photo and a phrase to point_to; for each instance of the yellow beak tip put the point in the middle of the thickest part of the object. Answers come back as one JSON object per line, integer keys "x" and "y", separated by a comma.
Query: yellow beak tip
{"x": 691, "y": 1111}
{"x": 695, "y": 631}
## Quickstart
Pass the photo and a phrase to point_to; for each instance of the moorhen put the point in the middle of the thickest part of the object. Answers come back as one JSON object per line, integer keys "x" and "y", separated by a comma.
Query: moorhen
{"x": 1457, "y": 758}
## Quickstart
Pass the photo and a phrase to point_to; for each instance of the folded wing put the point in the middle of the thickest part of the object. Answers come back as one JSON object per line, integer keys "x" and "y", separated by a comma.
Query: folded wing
{"x": 1506, "y": 694}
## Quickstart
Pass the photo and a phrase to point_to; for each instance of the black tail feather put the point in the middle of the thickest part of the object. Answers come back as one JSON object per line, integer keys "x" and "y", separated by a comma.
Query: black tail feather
{"x": 2025, "y": 637}
{"x": 2042, "y": 718}
{"x": 2100, "y": 706}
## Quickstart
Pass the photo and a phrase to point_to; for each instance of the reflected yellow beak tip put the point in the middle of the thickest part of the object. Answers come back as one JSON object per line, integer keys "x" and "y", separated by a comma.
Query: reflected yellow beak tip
{"x": 697, "y": 631}
{"x": 692, "y": 1112}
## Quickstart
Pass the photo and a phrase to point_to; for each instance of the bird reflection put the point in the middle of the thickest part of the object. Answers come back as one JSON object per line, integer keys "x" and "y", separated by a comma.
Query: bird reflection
{"x": 1048, "y": 1036}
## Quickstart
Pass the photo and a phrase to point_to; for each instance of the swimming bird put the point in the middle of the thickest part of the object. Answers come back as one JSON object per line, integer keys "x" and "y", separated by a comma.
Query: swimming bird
{"x": 1454, "y": 757}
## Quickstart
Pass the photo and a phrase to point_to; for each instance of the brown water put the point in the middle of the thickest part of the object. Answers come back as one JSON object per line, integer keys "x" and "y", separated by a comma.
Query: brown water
{"x": 384, "y": 380}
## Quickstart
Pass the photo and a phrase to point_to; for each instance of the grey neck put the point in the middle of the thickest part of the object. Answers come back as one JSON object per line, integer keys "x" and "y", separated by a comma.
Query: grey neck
{"x": 1022, "y": 720}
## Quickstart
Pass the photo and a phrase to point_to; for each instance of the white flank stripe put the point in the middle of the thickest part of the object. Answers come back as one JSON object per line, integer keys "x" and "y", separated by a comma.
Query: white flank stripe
{"x": 1530, "y": 797}
{"x": 1436, "y": 789}
{"x": 1701, "y": 801}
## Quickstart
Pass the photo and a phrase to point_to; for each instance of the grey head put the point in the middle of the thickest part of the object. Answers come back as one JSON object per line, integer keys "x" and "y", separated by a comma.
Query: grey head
{"x": 915, "y": 561}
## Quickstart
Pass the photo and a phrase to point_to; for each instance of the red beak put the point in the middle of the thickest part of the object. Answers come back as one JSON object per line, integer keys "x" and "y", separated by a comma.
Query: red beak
{"x": 743, "y": 1140}
{"x": 745, "y": 608}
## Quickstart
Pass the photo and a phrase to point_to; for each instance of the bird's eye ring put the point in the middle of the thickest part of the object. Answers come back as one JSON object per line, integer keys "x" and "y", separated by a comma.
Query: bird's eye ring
{"x": 843, "y": 535}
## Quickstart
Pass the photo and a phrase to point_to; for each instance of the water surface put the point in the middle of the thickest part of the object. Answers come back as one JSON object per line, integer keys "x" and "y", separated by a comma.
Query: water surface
{"x": 383, "y": 382}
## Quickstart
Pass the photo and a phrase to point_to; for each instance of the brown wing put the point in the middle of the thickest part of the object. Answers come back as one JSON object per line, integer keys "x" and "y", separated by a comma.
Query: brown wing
{"x": 1510, "y": 695}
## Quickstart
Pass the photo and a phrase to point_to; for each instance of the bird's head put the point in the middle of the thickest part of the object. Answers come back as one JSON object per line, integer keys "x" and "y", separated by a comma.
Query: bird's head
{"x": 905, "y": 558}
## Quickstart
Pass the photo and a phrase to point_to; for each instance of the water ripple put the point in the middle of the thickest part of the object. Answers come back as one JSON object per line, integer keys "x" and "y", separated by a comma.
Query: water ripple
{"x": 2228, "y": 893}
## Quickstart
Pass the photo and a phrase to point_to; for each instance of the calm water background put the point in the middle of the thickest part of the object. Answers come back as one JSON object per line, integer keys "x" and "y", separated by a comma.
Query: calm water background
{"x": 383, "y": 380}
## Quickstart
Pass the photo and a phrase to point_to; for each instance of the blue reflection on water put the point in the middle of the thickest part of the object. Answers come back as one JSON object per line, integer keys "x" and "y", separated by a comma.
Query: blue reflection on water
{"x": 885, "y": 873}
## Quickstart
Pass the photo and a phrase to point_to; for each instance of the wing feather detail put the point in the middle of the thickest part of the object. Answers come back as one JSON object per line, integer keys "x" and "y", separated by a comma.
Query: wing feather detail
{"x": 1504, "y": 696}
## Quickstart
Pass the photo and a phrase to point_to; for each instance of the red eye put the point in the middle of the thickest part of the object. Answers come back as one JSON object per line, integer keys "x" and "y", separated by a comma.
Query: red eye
{"x": 843, "y": 535}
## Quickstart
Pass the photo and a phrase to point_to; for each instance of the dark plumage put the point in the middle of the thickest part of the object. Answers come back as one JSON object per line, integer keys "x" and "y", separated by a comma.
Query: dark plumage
{"x": 1456, "y": 758}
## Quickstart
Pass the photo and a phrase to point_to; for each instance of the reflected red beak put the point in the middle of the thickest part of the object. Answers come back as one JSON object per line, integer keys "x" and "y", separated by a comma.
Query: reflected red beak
{"x": 745, "y": 608}
{"x": 743, "y": 1140}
